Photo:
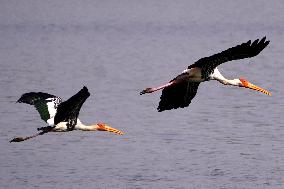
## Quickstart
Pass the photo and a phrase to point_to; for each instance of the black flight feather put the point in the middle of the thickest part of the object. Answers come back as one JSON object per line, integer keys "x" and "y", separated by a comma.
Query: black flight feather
{"x": 244, "y": 50}
{"x": 34, "y": 97}
{"x": 40, "y": 100}
{"x": 178, "y": 95}
{"x": 68, "y": 111}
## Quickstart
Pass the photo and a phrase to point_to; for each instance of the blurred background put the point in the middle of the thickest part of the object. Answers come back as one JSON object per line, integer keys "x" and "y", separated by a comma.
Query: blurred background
{"x": 227, "y": 138}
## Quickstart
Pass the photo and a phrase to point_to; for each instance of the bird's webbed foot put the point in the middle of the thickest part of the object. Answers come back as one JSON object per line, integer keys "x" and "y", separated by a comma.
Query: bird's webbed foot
{"x": 17, "y": 139}
{"x": 147, "y": 90}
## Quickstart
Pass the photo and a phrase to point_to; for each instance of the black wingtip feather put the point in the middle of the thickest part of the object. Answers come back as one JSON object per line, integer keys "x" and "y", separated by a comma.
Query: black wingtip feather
{"x": 85, "y": 90}
{"x": 33, "y": 97}
{"x": 255, "y": 42}
{"x": 244, "y": 50}
{"x": 262, "y": 40}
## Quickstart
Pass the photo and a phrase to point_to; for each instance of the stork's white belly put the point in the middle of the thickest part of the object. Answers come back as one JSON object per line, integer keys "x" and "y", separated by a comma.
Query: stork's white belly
{"x": 62, "y": 127}
{"x": 50, "y": 121}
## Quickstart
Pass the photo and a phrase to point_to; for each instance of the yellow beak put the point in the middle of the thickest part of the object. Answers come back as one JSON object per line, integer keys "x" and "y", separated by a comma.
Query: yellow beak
{"x": 105, "y": 127}
{"x": 249, "y": 85}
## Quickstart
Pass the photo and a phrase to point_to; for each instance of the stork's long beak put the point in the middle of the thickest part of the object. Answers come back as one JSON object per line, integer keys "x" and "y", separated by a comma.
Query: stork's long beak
{"x": 249, "y": 85}
{"x": 105, "y": 127}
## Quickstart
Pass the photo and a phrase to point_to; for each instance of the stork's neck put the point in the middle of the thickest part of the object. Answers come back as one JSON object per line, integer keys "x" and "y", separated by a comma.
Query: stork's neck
{"x": 234, "y": 82}
{"x": 83, "y": 127}
{"x": 219, "y": 77}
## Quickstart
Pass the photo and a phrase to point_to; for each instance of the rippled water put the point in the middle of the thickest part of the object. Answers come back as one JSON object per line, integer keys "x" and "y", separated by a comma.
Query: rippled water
{"x": 227, "y": 138}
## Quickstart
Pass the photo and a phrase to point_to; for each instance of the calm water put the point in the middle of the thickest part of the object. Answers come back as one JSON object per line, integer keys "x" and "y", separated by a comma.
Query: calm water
{"x": 227, "y": 138}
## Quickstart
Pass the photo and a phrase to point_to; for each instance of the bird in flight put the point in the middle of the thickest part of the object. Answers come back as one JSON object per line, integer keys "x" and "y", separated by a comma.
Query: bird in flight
{"x": 179, "y": 92}
{"x": 61, "y": 116}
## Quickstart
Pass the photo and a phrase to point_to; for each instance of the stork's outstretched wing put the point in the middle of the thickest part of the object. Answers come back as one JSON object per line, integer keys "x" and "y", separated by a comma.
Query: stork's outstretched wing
{"x": 68, "y": 111}
{"x": 46, "y": 104}
{"x": 178, "y": 96}
{"x": 245, "y": 50}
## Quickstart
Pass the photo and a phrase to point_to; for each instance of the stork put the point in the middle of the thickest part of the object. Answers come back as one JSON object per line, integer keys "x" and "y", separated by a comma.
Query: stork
{"x": 61, "y": 116}
{"x": 179, "y": 92}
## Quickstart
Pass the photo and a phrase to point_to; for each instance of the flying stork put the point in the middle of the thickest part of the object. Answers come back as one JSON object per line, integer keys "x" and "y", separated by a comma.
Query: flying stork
{"x": 179, "y": 92}
{"x": 61, "y": 116}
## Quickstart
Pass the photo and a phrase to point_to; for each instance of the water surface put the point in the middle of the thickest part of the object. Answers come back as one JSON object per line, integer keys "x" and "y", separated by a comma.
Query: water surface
{"x": 227, "y": 138}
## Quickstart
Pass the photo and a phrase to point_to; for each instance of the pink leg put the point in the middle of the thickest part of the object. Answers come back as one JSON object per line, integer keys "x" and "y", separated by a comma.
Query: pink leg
{"x": 20, "y": 139}
{"x": 151, "y": 90}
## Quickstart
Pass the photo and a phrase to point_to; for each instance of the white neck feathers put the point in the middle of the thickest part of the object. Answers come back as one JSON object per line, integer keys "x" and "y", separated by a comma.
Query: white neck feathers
{"x": 219, "y": 77}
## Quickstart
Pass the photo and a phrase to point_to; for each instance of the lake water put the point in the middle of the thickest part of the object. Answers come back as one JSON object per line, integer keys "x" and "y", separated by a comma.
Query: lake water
{"x": 228, "y": 138}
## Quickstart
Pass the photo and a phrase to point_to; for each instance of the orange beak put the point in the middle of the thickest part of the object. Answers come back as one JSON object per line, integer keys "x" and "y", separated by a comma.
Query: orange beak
{"x": 105, "y": 127}
{"x": 249, "y": 85}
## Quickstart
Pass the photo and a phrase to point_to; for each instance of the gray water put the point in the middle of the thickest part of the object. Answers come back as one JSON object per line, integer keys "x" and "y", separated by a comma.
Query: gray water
{"x": 227, "y": 138}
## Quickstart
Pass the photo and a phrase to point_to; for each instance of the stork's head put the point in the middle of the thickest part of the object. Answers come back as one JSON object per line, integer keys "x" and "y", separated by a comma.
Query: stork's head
{"x": 247, "y": 84}
{"x": 105, "y": 127}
